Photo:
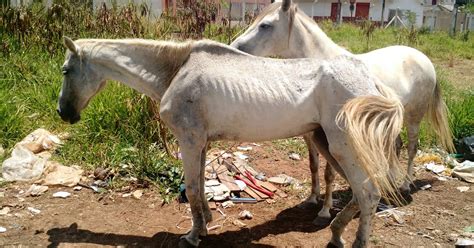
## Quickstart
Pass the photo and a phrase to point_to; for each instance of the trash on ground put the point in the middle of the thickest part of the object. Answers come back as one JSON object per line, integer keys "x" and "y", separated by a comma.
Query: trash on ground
{"x": 4, "y": 211}
{"x": 238, "y": 223}
{"x": 23, "y": 165}
{"x": 62, "y": 194}
{"x": 36, "y": 190}
{"x": 137, "y": 194}
{"x": 241, "y": 184}
{"x": 241, "y": 155}
{"x": 464, "y": 171}
{"x": 397, "y": 215}
{"x": 436, "y": 168}
{"x": 39, "y": 140}
{"x": 216, "y": 190}
{"x": 244, "y": 148}
{"x": 295, "y": 156}
{"x": 77, "y": 188}
{"x": 243, "y": 200}
{"x": 261, "y": 176}
{"x": 34, "y": 210}
{"x": 468, "y": 243}
{"x": 58, "y": 174}
{"x": 245, "y": 215}
{"x": 425, "y": 187}
{"x": 462, "y": 188}
{"x": 465, "y": 146}
{"x": 228, "y": 204}
{"x": 282, "y": 179}
{"x": 2, "y": 229}
{"x": 126, "y": 195}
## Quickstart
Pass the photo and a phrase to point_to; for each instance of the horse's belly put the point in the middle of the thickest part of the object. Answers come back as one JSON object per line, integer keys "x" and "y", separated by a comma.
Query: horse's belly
{"x": 253, "y": 123}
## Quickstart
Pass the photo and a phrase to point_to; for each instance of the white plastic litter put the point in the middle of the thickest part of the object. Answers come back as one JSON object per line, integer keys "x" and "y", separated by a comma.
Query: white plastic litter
{"x": 241, "y": 184}
{"x": 436, "y": 168}
{"x": 465, "y": 171}
{"x": 36, "y": 190}
{"x": 462, "y": 188}
{"x": 241, "y": 155}
{"x": 244, "y": 148}
{"x": 23, "y": 165}
{"x": 34, "y": 210}
{"x": 62, "y": 194}
{"x": 58, "y": 174}
{"x": 2, "y": 229}
{"x": 295, "y": 156}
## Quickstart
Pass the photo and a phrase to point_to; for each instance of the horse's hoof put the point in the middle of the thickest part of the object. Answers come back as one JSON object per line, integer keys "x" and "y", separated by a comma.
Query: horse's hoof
{"x": 336, "y": 244}
{"x": 322, "y": 221}
{"x": 191, "y": 242}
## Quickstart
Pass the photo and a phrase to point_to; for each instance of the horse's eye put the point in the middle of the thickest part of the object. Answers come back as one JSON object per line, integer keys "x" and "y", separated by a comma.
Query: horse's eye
{"x": 265, "y": 26}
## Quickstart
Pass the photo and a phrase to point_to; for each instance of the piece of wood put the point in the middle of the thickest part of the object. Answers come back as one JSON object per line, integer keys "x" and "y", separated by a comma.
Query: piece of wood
{"x": 212, "y": 205}
{"x": 268, "y": 186}
{"x": 252, "y": 194}
{"x": 260, "y": 194}
{"x": 228, "y": 181}
{"x": 281, "y": 194}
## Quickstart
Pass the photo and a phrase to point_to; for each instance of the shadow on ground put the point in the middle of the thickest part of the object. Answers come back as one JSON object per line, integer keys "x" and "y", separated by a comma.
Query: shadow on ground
{"x": 291, "y": 219}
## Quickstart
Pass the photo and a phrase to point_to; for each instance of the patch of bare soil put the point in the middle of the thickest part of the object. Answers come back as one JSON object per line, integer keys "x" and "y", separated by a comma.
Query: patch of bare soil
{"x": 434, "y": 216}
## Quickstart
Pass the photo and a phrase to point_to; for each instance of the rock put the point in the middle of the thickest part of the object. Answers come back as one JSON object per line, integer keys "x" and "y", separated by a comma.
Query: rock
{"x": 62, "y": 194}
{"x": 245, "y": 215}
{"x": 5, "y": 211}
{"x": 101, "y": 173}
{"x": 137, "y": 194}
{"x": 126, "y": 195}
{"x": 34, "y": 210}
{"x": 36, "y": 190}
{"x": 2, "y": 229}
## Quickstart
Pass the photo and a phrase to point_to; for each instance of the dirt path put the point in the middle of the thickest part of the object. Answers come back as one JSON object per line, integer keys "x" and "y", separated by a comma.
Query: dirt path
{"x": 435, "y": 217}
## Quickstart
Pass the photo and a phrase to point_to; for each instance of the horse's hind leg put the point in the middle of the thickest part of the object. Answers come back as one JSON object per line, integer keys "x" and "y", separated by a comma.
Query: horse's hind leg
{"x": 363, "y": 189}
{"x": 329, "y": 176}
{"x": 413, "y": 130}
{"x": 314, "y": 166}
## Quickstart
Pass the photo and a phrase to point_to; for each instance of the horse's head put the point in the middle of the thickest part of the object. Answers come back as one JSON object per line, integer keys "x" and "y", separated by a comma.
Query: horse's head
{"x": 270, "y": 33}
{"x": 81, "y": 82}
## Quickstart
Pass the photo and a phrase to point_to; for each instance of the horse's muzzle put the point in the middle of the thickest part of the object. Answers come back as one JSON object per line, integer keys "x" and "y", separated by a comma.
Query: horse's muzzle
{"x": 68, "y": 116}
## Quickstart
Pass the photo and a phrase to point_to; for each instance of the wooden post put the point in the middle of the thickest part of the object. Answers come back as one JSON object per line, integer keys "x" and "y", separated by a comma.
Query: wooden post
{"x": 382, "y": 21}
{"x": 454, "y": 17}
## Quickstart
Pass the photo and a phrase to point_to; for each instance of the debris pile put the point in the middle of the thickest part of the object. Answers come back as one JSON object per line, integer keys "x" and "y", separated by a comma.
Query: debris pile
{"x": 230, "y": 179}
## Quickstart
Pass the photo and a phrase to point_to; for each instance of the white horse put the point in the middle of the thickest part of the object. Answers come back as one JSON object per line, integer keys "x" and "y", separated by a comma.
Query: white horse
{"x": 209, "y": 91}
{"x": 284, "y": 31}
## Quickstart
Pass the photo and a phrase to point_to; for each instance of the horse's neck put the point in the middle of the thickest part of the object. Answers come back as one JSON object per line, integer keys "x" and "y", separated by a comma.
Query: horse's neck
{"x": 316, "y": 43}
{"x": 141, "y": 67}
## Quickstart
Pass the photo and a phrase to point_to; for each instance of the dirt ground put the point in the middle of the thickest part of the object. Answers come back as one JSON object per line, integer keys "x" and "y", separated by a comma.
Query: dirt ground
{"x": 434, "y": 218}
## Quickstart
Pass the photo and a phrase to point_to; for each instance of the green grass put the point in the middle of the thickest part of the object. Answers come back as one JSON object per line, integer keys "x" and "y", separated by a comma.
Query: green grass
{"x": 119, "y": 127}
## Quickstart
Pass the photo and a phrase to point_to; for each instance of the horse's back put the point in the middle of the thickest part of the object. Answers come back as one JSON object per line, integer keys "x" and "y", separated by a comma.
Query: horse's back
{"x": 405, "y": 70}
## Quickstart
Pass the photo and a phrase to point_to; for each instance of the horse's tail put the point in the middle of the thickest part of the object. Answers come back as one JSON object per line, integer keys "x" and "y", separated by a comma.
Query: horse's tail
{"x": 438, "y": 119}
{"x": 373, "y": 124}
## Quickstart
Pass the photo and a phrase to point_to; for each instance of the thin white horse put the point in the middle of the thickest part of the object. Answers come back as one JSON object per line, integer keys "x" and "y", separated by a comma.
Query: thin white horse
{"x": 209, "y": 91}
{"x": 284, "y": 31}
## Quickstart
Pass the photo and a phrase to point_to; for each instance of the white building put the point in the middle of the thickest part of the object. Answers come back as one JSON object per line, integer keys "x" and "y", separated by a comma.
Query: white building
{"x": 364, "y": 9}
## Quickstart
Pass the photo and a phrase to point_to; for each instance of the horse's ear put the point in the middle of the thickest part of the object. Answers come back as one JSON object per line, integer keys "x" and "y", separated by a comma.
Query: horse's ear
{"x": 71, "y": 45}
{"x": 285, "y": 5}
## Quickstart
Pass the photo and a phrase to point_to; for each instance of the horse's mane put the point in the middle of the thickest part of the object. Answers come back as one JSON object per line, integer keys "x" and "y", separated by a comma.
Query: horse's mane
{"x": 172, "y": 55}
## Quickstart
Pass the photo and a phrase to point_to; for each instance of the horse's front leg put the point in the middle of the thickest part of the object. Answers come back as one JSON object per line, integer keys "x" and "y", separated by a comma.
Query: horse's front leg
{"x": 205, "y": 205}
{"x": 192, "y": 153}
